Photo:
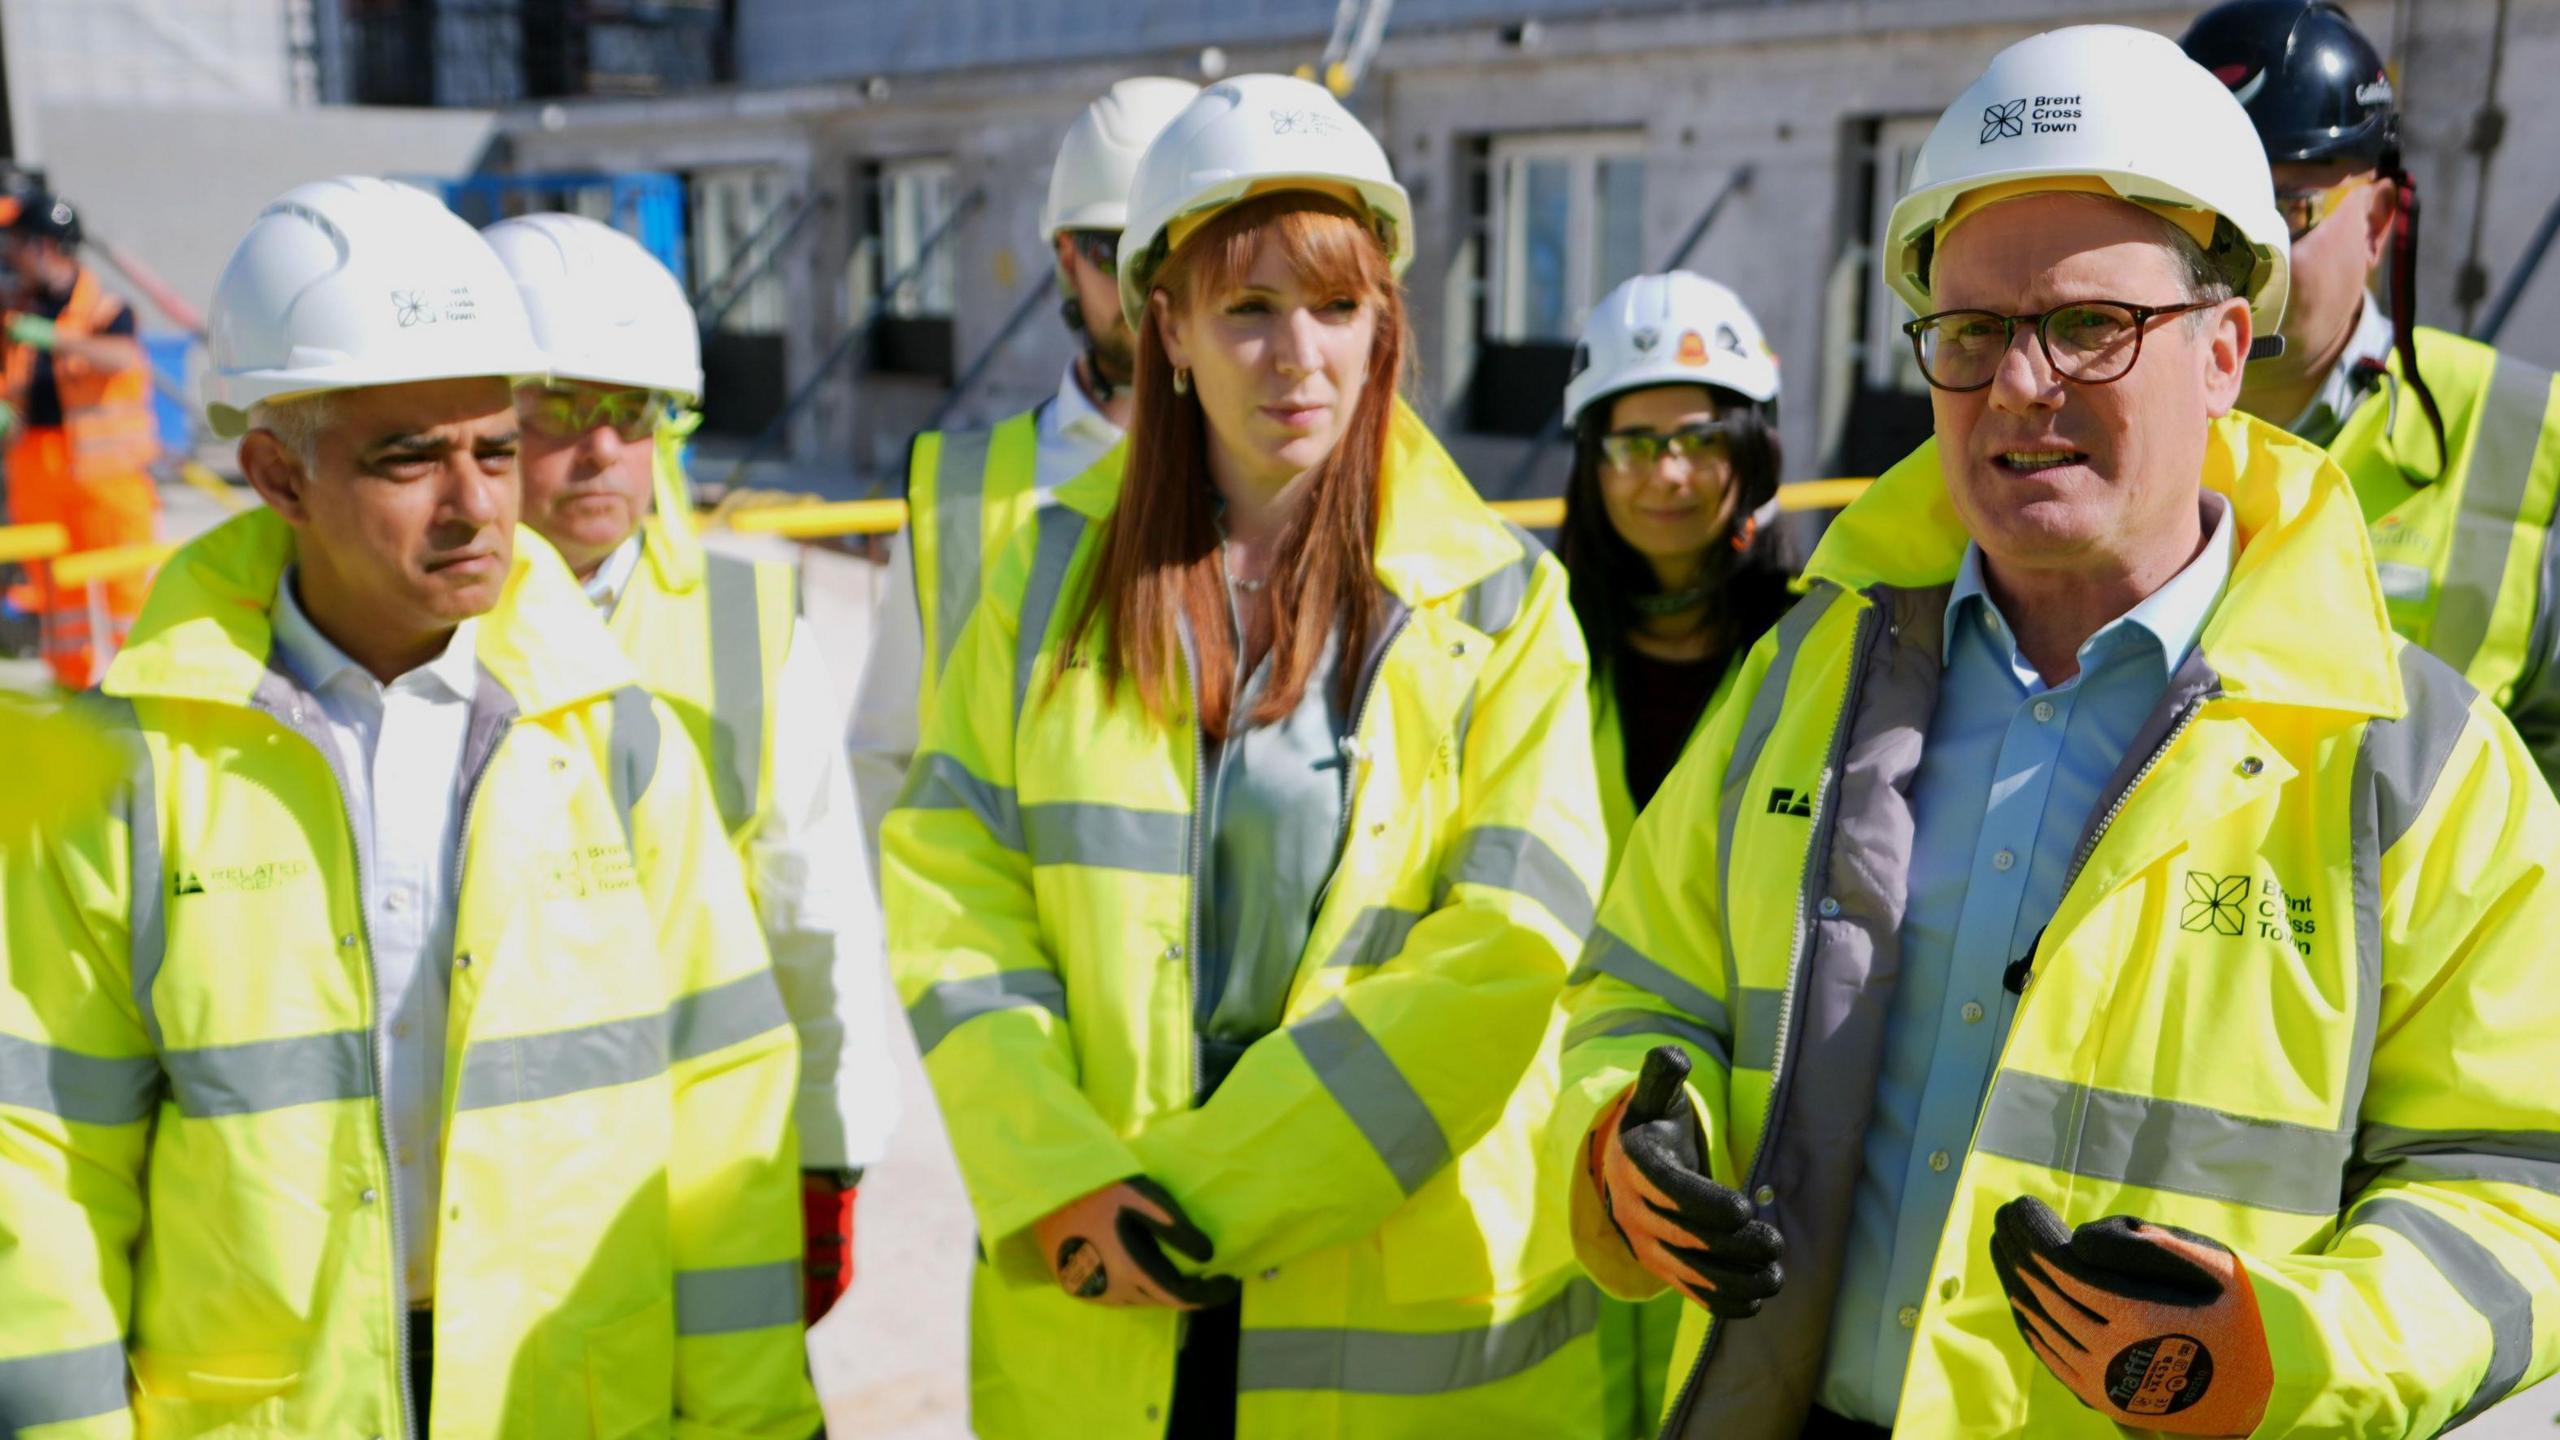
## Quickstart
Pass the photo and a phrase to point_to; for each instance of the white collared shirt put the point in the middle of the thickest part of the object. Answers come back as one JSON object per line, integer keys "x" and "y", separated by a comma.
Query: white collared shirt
{"x": 397, "y": 749}
{"x": 2326, "y": 415}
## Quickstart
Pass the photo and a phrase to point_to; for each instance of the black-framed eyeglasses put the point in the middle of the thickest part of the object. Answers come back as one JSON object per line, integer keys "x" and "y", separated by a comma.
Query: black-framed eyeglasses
{"x": 2092, "y": 342}
{"x": 565, "y": 412}
{"x": 1690, "y": 445}
{"x": 1102, "y": 247}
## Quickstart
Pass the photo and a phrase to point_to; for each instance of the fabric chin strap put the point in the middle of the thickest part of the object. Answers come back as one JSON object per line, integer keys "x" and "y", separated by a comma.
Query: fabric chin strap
{"x": 2404, "y": 293}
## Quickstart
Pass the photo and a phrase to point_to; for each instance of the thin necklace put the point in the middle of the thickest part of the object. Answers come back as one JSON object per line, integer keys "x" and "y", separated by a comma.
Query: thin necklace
{"x": 1250, "y": 587}
{"x": 1675, "y": 603}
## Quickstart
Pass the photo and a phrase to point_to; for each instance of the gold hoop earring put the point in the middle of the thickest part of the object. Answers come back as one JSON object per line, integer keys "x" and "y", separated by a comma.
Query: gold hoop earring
{"x": 1181, "y": 381}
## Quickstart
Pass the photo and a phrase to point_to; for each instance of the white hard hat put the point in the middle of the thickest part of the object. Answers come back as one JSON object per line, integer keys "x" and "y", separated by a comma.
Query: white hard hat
{"x": 2118, "y": 106}
{"x": 1089, "y": 184}
{"x": 1674, "y": 329}
{"x": 355, "y": 282}
{"x": 1251, "y": 134}
{"x": 603, "y": 308}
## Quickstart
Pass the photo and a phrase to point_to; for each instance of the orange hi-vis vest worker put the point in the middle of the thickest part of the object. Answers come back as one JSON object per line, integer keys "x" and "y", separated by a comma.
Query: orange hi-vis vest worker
{"x": 90, "y": 475}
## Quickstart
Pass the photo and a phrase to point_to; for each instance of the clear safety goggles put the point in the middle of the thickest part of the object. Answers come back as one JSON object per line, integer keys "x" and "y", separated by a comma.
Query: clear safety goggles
{"x": 565, "y": 411}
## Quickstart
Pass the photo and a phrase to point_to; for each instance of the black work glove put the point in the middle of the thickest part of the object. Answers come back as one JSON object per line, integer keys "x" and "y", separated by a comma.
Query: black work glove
{"x": 1646, "y": 1154}
{"x": 1107, "y": 1246}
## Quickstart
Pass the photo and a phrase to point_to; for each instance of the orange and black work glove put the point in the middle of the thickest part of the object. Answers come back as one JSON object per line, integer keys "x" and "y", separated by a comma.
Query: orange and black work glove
{"x": 1108, "y": 1247}
{"x": 2154, "y": 1327}
{"x": 826, "y": 1229}
{"x": 1647, "y": 1155}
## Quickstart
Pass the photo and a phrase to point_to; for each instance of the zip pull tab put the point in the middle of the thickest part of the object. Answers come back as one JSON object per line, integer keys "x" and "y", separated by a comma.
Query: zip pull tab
{"x": 2021, "y": 971}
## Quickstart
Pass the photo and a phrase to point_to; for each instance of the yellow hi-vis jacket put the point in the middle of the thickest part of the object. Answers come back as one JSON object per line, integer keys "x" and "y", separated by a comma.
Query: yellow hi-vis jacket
{"x": 1370, "y": 1168}
{"x": 195, "y": 1184}
{"x": 2298, "y": 994}
{"x": 2467, "y": 554}
{"x": 967, "y": 492}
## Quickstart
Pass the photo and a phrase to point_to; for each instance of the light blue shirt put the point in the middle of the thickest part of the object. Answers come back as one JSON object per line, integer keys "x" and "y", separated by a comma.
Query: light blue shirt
{"x": 2008, "y": 780}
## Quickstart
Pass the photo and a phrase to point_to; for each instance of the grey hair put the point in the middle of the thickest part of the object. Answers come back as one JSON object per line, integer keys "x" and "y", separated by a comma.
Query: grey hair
{"x": 2199, "y": 277}
{"x": 297, "y": 423}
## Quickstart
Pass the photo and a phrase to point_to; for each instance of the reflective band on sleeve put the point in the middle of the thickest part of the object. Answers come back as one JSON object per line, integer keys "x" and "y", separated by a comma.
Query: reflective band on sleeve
{"x": 940, "y": 782}
{"x": 517, "y": 1069}
{"x": 1655, "y": 1024}
{"x": 1376, "y": 936}
{"x": 1109, "y": 837}
{"x": 2163, "y": 1144}
{"x": 2529, "y": 1158}
{"x": 724, "y": 1015}
{"x": 1058, "y": 531}
{"x": 1415, "y": 1362}
{"x": 62, "y": 1385}
{"x": 1493, "y": 603}
{"x": 1507, "y": 857}
{"x": 87, "y": 1089}
{"x": 737, "y": 687}
{"x": 738, "y": 1297}
{"x": 632, "y": 755}
{"x": 2493, "y": 491}
{"x": 953, "y": 1003}
{"x": 959, "y": 513}
{"x": 1364, "y": 1081}
{"x": 262, "y": 1075}
{"x": 1608, "y": 955}
{"x": 2477, "y": 1276}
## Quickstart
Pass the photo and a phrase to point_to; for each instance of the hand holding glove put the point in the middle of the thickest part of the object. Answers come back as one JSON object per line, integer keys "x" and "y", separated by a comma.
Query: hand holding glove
{"x": 2153, "y": 1327}
{"x": 826, "y": 1227}
{"x": 33, "y": 331}
{"x": 1647, "y": 1157}
{"x": 1108, "y": 1247}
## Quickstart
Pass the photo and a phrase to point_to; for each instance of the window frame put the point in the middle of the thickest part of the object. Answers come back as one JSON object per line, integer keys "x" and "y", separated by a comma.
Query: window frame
{"x": 1583, "y": 152}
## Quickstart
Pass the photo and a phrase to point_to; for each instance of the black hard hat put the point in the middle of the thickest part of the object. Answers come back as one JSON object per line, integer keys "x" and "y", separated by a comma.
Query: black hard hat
{"x": 50, "y": 216}
{"x": 2310, "y": 80}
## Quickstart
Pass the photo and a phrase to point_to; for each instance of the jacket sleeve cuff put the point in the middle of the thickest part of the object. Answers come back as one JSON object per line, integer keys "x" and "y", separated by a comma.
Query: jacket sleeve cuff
{"x": 1596, "y": 1242}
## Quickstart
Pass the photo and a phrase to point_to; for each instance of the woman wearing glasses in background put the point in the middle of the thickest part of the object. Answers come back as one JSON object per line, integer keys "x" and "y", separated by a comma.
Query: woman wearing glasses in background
{"x": 1676, "y": 570}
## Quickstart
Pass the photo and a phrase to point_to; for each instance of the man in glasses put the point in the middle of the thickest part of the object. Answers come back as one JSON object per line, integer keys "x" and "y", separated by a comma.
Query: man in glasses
{"x": 968, "y": 490}
{"x": 721, "y": 640}
{"x": 2453, "y": 448}
{"x": 2063, "y": 927}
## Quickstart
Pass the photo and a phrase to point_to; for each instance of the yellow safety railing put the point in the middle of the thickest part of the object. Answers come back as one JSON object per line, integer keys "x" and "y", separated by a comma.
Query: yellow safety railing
{"x": 86, "y": 571}
{"x": 22, "y": 543}
{"x": 115, "y": 562}
{"x": 817, "y": 520}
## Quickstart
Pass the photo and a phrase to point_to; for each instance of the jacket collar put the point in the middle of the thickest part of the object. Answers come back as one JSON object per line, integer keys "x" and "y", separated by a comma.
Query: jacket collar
{"x": 204, "y": 632}
{"x": 2303, "y": 622}
{"x": 1436, "y": 536}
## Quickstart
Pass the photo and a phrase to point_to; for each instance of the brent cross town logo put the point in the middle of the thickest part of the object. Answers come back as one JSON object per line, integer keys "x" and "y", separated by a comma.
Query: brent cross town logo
{"x": 2216, "y": 903}
{"x": 2004, "y": 122}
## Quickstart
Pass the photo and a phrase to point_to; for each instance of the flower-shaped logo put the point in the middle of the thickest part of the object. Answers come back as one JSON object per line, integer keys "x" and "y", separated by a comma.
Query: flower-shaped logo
{"x": 409, "y": 308}
{"x": 1303, "y": 122}
{"x": 2004, "y": 122}
{"x": 2217, "y": 903}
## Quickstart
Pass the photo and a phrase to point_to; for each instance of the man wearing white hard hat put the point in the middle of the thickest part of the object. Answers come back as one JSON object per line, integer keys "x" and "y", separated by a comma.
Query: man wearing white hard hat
{"x": 2063, "y": 927}
{"x": 721, "y": 640}
{"x": 397, "y": 1055}
{"x": 968, "y": 490}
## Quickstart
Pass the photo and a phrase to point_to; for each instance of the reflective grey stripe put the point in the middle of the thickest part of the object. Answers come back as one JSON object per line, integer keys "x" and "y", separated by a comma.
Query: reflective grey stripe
{"x": 959, "y": 520}
{"x": 1057, "y": 530}
{"x": 939, "y": 782}
{"x": 1376, "y": 936}
{"x": 147, "y": 884}
{"x": 953, "y": 1003}
{"x": 1493, "y": 603}
{"x": 89, "y": 1089}
{"x": 2502, "y": 449}
{"x": 2514, "y": 1157}
{"x": 1111, "y": 837}
{"x": 738, "y": 1297}
{"x": 724, "y": 1015}
{"x": 2163, "y": 1144}
{"x": 1612, "y": 1024}
{"x": 2477, "y": 1276}
{"x": 1507, "y": 857}
{"x": 1757, "y": 723}
{"x": 518, "y": 1069}
{"x": 61, "y": 1385}
{"x": 1365, "y": 1082}
{"x": 1415, "y": 1362}
{"x": 737, "y": 687}
{"x": 1608, "y": 955}
{"x": 1756, "y": 1040}
{"x": 266, "y": 1075}
{"x": 631, "y": 757}
{"x": 2398, "y": 763}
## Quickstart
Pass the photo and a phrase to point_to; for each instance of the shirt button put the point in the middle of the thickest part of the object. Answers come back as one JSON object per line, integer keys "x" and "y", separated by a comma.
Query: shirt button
{"x": 396, "y": 901}
{"x": 1765, "y": 1195}
{"x": 1907, "y": 1316}
{"x": 1829, "y": 907}
{"x": 2043, "y": 711}
{"x": 2003, "y": 861}
{"x": 1972, "y": 1013}
{"x": 1938, "y": 1161}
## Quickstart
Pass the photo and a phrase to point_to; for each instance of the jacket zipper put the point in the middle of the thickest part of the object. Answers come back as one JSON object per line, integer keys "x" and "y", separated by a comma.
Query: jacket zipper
{"x": 1823, "y": 819}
